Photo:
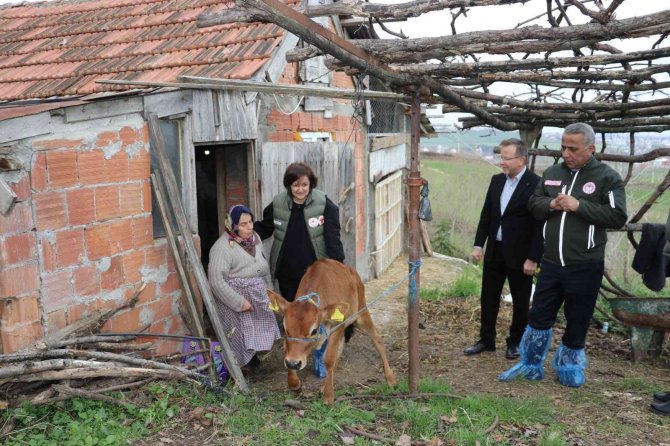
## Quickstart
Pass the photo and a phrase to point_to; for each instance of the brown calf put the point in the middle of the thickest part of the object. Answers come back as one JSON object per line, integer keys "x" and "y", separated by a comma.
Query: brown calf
{"x": 338, "y": 292}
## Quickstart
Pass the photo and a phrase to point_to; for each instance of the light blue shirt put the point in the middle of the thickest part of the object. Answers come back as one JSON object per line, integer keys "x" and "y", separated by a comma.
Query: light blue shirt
{"x": 508, "y": 190}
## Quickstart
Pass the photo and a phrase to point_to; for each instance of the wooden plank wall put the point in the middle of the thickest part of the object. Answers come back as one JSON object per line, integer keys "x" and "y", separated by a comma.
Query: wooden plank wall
{"x": 388, "y": 221}
{"x": 223, "y": 116}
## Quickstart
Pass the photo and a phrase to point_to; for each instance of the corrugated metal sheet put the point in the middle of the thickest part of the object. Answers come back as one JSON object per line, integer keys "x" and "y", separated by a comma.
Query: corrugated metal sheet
{"x": 60, "y": 48}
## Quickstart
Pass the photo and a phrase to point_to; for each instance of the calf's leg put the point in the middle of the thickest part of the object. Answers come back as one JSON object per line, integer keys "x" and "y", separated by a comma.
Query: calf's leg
{"x": 364, "y": 322}
{"x": 331, "y": 358}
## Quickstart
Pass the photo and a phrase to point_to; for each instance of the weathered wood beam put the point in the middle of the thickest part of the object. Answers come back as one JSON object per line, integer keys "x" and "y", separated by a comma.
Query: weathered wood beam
{"x": 610, "y": 123}
{"x": 529, "y": 39}
{"x": 474, "y": 69}
{"x": 202, "y": 83}
{"x": 647, "y": 86}
{"x": 541, "y": 77}
{"x": 645, "y": 157}
{"x": 281, "y": 15}
{"x": 590, "y": 106}
{"x": 598, "y": 126}
{"x": 356, "y": 8}
{"x": 301, "y": 90}
{"x": 405, "y": 55}
{"x": 570, "y": 115}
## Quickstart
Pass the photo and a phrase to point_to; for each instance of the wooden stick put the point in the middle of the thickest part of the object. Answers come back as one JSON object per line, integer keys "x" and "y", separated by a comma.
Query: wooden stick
{"x": 194, "y": 321}
{"x": 49, "y": 364}
{"x": 158, "y": 146}
{"x": 124, "y": 346}
{"x": 372, "y": 436}
{"x": 67, "y": 390}
{"x": 425, "y": 240}
{"x": 493, "y": 425}
{"x": 93, "y": 372}
{"x": 398, "y": 396}
{"x": 133, "y": 361}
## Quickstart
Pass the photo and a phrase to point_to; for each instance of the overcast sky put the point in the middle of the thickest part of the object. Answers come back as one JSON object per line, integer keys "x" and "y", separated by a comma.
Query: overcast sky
{"x": 437, "y": 23}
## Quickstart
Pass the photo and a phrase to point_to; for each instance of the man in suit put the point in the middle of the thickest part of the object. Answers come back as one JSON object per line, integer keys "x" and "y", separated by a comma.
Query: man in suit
{"x": 513, "y": 247}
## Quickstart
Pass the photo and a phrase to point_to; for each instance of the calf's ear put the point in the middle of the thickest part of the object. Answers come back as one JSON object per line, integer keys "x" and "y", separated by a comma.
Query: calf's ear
{"x": 277, "y": 303}
{"x": 335, "y": 312}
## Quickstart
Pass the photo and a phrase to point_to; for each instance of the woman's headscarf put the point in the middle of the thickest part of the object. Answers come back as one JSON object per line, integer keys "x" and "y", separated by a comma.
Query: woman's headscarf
{"x": 232, "y": 220}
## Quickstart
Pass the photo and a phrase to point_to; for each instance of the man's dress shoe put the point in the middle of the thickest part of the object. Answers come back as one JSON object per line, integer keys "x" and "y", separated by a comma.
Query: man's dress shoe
{"x": 478, "y": 348}
{"x": 662, "y": 397}
{"x": 512, "y": 352}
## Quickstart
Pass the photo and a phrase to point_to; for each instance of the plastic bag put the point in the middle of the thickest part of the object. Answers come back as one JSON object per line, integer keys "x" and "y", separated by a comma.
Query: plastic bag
{"x": 198, "y": 359}
{"x": 425, "y": 211}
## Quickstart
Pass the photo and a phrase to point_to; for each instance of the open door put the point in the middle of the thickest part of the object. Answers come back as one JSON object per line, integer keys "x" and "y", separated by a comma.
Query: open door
{"x": 222, "y": 180}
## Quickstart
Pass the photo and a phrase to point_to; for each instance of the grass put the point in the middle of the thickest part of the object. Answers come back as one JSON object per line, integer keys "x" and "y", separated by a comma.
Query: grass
{"x": 88, "y": 422}
{"x": 638, "y": 385}
{"x": 261, "y": 418}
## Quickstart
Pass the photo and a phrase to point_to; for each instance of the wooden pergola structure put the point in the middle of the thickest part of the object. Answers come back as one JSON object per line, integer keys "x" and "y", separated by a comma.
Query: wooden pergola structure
{"x": 598, "y": 83}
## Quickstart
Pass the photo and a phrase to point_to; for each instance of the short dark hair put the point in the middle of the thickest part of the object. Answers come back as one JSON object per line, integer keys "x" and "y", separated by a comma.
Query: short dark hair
{"x": 295, "y": 171}
{"x": 519, "y": 145}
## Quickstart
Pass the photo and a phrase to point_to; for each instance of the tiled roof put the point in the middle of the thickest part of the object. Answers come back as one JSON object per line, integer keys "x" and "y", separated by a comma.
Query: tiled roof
{"x": 60, "y": 48}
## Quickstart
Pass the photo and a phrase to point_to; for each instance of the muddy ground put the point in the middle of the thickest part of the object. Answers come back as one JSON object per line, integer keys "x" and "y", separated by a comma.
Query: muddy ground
{"x": 611, "y": 409}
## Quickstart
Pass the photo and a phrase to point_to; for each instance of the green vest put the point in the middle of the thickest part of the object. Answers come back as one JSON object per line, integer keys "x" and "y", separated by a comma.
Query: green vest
{"x": 315, "y": 206}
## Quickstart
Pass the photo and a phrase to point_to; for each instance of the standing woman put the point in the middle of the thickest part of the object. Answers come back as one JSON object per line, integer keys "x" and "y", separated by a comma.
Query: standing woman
{"x": 306, "y": 227}
{"x": 239, "y": 274}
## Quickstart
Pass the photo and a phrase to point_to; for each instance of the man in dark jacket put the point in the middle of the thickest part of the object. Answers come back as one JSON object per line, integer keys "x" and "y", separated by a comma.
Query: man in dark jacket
{"x": 513, "y": 247}
{"x": 579, "y": 198}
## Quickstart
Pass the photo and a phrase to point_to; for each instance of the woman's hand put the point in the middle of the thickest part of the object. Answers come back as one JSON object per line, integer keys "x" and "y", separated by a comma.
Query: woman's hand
{"x": 247, "y": 306}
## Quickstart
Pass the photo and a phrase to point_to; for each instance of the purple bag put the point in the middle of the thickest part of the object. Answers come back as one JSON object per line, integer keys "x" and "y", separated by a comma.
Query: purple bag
{"x": 221, "y": 369}
{"x": 196, "y": 359}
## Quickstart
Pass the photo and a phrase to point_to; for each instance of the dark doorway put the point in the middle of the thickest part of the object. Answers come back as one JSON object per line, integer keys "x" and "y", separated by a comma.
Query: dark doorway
{"x": 222, "y": 180}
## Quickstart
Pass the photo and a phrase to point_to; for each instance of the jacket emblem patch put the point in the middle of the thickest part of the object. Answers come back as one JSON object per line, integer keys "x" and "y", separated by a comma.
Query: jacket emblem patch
{"x": 589, "y": 187}
{"x": 552, "y": 182}
{"x": 315, "y": 221}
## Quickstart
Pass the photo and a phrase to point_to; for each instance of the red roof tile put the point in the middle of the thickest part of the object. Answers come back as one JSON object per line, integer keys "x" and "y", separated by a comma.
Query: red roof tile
{"x": 60, "y": 48}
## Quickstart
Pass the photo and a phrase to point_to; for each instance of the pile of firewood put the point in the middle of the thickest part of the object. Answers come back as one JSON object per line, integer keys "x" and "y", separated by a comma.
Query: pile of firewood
{"x": 78, "y": 361}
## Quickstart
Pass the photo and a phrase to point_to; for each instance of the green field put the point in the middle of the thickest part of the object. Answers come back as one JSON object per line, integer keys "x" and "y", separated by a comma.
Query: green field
{"x": 458, "y": 187}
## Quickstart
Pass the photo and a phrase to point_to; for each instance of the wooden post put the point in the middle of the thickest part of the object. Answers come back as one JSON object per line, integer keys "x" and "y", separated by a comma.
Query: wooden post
{"x": 195, "y": 322}
{"x": 414, "y": 182}
{"x": 158, "y": 145}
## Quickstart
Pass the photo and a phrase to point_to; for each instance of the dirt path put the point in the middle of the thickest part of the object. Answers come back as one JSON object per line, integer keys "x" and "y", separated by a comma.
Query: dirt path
{"x": 611, "y": 409}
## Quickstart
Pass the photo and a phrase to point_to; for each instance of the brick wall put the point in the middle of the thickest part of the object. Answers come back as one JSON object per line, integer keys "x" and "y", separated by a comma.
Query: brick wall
{"x": 80, "y": 239}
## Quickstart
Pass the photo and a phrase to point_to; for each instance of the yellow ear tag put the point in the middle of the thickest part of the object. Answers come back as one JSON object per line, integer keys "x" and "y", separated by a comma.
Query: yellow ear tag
{"x": 337, "y": 316}
{"x": 273, "y": 306}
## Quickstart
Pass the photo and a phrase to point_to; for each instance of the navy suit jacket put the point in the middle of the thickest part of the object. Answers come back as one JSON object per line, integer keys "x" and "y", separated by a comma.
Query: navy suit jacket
{"x": 521, "y": 233}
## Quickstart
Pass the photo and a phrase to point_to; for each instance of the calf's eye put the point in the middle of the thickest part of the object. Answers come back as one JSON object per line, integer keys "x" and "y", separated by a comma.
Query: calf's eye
{"x": 314, "y": 332}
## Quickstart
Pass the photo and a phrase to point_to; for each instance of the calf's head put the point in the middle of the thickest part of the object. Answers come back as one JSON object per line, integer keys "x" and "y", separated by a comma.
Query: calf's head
{"x": 305, "y": 325}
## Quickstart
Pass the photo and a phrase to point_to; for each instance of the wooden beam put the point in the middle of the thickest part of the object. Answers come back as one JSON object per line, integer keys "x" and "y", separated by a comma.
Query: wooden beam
{"x": 388, "y": 141}
{"x": 528, "y": 39}
{"x": 328, "y": 43}
{"x": 473, "y": 69}
{"x": 357, "y": 8}
{"x": 195, "y": 322}
{"x": 205, "y": 83}
{"x": 315, "y": 28}
{"x": 158, "y": 146}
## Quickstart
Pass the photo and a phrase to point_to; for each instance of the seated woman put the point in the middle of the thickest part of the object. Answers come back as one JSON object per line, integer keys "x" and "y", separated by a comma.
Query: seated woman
{"x": 239, "y": 274}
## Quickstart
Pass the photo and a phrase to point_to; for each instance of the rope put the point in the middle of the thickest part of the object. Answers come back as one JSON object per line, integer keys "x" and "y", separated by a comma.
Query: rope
{"x": 414, "y": 267}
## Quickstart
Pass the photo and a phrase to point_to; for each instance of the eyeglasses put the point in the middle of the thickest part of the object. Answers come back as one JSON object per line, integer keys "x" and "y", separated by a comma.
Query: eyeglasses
{"x": 502, "y": 158}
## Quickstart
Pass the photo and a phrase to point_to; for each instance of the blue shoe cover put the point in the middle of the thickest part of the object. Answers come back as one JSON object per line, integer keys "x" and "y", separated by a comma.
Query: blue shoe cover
{"x": 319, "y": 367}
{"x": 533, "y": 347}
{"x": 570, "y": 365}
